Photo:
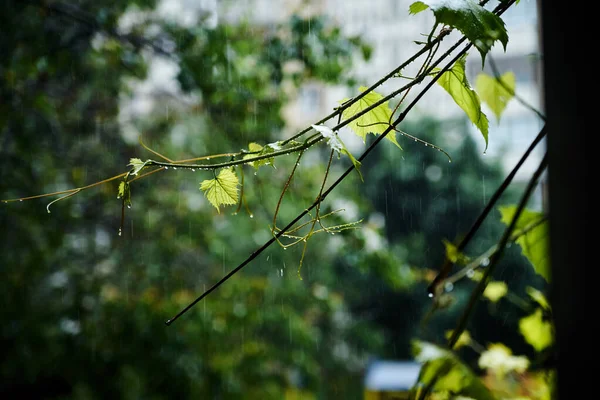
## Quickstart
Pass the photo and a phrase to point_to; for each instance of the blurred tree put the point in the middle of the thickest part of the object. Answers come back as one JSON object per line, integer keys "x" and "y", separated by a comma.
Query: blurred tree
{"x": 423, "y": 200}
{"x": 85, "y": 308}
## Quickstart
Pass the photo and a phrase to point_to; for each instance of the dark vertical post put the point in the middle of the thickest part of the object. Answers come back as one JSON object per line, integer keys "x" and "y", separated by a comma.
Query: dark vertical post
{"x": 566, "y": 50}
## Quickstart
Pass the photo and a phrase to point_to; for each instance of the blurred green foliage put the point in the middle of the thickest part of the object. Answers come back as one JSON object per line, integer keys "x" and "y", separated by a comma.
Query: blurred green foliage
{"x": 84, "y": 309}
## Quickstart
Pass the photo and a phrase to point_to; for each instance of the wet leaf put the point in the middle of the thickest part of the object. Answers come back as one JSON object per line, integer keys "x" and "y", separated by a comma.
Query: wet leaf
{"x": 496, "y": 92}
{"x": 335, "y": 142}
{"x": 124, "y": 192}
{"x": 137, "y": 165}
{"x": 221, "y": 190}
{"x": 482, "y": 27}
{"x": 534, "y": 243}
{"x": 259, "y": 150}
{"x": 375, "y": 121}
{"x": 455, "y": 82}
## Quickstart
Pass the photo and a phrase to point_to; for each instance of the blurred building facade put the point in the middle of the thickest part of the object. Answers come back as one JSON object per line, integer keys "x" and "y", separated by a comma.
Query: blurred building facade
{"x": 389, "y": 28}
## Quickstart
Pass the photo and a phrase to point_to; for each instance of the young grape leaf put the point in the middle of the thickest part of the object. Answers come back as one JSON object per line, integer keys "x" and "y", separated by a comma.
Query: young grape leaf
{"x": 375, "y": 121}
{"x": 335, "y": 142}
{"x": 455, "y": 82}
{"x": 221, "y": 190}
{"x": 259, "y": 150}
{"x": 137, "y": 165}
{"x": 124, "y": 192}
{"x": 482, "y": 27}
{"x": 496, "y": 93}
{"x": 534, "y": 243}
{"x": 536, "y": 330}
{"x": 494, "y": 291}
{"x": 417, "y": 7}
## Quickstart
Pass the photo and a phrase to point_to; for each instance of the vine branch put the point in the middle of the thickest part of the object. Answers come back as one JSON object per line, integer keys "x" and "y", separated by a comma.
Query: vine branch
{"x": 434, "y": 286}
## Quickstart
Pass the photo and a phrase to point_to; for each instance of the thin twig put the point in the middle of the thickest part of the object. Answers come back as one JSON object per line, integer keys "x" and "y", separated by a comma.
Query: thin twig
{"x": 498, "y": 254}
{"x": 329, "y": 190}
{"x": 495, "y": 258}
{"x": 480, "y": 261}
{"x": 435, "y": 285}
{"x": 345, "y": 173}
{"x": 317, "y": 217}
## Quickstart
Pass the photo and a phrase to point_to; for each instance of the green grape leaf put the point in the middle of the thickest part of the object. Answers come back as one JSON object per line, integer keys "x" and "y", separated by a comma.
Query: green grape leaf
{"x": 259, "y": 150}
{"x": 536, "y": 330}
{"x": 417, "y": 7}
{"x": 482, "y": 27}
{"x": 137, "y": 165}
{"x": 534, "y": 243}
{"x": 496, "y": 93}
{"x": 221, "y": 190}
{"x": 124, "y": 192}
{"x": 451, "y": 374}
{"x": 494, "y": 291}
{"x": 375, "y": 121}
{"x": 455, "y": 82}
{"x": 335, "y": 142}
{"x": 453, "y": 254}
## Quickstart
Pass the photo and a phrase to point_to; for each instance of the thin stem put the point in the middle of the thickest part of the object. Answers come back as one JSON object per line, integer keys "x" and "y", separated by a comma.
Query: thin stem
{"x": 73, "y": 191}
{"x": 434, "y": 286}
{"x": 334, "y": 184}
{"x": 480, "y": 261}
{"x": 479, "y": 289}
{"x": 152, "y": 151}
{"x": 497, "y": 255}
{"x": 61, "y": 198}
{"x": 432, "y": 50}
{"x": 232, "y": 163}
{"x": 391, "y": 74}
{"x": 284, "y": 190}
{"x": 314, "y": 221}
{"x": 310, "y": 141}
